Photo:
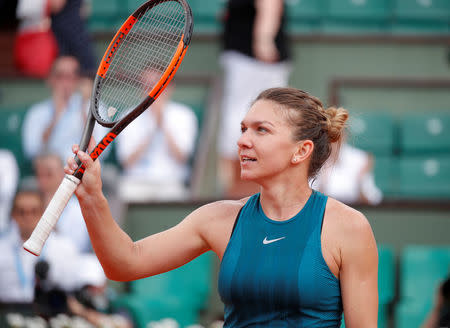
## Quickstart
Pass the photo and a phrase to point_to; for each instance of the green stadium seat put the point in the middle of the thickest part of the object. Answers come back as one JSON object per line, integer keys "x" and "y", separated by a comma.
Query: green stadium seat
{"x": 426, "y": 16}
{"x": 104, "y": 15}
{"x": 207, "y": 15}
{"x": 424, "y": 177}
{"x": 386, "y": 274}
{"x": 386, "y": 174}
{"x": 178, "y": 294}
{"x": 386, "y": 283}
{"x": 303, "y": 15}
{"x": 357, "y": 16}
{"x": 410, "y": 314}
{"x": 422, "y": 269}
{"x": 423, "y": 10}
{"x": 11, "y": 120}
{"x": 373, "y": 132}
{"x": 426, "y": 133}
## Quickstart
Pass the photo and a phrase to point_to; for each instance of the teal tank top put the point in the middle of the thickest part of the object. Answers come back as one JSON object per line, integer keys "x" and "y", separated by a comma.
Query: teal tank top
{"x": 273, "y": 273}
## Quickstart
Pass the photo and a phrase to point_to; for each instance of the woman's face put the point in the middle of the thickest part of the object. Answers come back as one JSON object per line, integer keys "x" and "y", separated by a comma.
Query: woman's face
{"x": 266, "y": 146}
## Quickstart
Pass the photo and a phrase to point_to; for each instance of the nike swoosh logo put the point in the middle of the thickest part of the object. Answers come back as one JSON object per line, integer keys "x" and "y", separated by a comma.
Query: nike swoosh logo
{"x": 267, "y": 241}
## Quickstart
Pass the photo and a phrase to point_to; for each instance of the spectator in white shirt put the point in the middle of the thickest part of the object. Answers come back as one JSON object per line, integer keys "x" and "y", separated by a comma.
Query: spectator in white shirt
{"x": 9, "y": 176}
{"x": 17, "y": 266}
{"x": 57, "y": 123}
{"x": 49, "y": 172}
{"x": 154, "y": 151}
{"x": 348, "y": 177}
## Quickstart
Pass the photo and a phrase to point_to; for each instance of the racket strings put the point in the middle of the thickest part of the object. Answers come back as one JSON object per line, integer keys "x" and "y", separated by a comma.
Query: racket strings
{"x": 141, "y": 60}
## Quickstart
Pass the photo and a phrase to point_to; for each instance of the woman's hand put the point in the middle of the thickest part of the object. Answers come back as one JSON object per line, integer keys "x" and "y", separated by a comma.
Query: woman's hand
{"x": 91, "y": 183}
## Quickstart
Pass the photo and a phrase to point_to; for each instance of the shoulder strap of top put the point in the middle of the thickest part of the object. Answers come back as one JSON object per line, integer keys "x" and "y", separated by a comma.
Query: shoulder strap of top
{"x": 236, "y": 220}
{"x": 322, "y": 202}
{"x": 250, "y": 201}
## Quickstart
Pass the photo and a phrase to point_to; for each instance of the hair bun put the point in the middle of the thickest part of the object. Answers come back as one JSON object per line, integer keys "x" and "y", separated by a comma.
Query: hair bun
{"x": 336, "y": 119}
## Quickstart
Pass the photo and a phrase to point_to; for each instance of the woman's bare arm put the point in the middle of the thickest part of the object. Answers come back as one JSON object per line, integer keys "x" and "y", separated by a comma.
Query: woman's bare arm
{"x": 359, "y": 272}
{"x": 121, "y": 258}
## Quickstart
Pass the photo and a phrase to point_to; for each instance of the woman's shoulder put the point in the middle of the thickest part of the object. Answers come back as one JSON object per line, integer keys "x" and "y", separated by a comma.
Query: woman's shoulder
{"x": 215, "y": 221}
{"x": 349, "y": 232}
{"x": 222, "y": 208}
{"x": 346, "y": 219}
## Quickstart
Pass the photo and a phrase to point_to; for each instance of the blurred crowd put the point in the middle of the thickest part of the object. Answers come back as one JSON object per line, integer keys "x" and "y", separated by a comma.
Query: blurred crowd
{"x": 151, "y": 160}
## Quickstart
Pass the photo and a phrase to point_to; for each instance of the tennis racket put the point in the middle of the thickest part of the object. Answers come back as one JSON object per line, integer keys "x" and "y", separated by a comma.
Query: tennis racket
{"x": 139, "y": 63}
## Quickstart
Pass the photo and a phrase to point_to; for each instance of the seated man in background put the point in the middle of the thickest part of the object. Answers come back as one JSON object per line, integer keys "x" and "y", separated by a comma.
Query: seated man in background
{"x": 49, "y": 171}
{"x": 57, "y": 123}
{"x": 45, "y": 282}
{"x": 17, "y": 266}
{"x": 348, "y": 176}
{"x": 155, "y": 149}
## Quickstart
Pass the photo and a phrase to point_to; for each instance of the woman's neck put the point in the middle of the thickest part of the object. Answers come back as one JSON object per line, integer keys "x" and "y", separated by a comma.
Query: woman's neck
{"x": 283, "y": 201}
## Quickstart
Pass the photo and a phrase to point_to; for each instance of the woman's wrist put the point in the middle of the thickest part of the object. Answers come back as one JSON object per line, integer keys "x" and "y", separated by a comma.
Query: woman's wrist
{"x": 92, "y": 197}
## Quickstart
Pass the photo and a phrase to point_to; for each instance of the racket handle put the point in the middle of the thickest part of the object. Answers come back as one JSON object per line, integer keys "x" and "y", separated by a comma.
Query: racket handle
{"x": 51, "y": 215}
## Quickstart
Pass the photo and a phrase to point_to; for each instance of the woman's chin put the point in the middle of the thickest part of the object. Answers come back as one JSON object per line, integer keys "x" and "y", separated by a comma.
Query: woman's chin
{"x": 248, "y": 177}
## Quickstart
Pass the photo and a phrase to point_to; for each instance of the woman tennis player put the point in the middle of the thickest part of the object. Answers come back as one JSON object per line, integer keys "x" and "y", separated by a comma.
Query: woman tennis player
{"x": 290, "y": 256}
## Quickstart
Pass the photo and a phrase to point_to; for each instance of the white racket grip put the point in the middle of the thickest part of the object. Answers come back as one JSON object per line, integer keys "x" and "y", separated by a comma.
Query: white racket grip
{"x": 51, "y": 215}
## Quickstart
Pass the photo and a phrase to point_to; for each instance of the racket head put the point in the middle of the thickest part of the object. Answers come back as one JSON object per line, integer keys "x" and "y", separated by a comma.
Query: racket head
{"x": 141, "y": 60}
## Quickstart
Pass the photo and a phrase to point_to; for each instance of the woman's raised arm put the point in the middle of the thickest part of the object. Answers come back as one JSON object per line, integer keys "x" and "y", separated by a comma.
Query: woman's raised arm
{"x": 121, "y": 258}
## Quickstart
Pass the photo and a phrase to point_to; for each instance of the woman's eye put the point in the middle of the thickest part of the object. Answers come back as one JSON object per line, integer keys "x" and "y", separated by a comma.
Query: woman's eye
{"x": 262, "y": 129}
{"x": 243, "y": 129}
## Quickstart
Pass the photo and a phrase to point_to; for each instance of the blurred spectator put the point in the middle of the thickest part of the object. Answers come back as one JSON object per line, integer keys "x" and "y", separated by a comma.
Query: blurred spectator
{"x": 48, "y": 28}
{"x": 73, "y": 38}
{"x": 57, "y": 123}
{"x": 9, "y": 176}
{"x": 255, "y": 58}
{"x": 17, "y": 266}
{"x": 49, "y": 172}
{"x": 155, "y": 149}
{"x": 440, "y": 313}
{"x": 348, "y": 176}
{"x": 35, "y": 46}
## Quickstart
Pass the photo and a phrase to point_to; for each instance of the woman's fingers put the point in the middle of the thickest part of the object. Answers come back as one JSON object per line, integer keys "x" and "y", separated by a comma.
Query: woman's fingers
{"x": 85, "y": 159}
{"x": 75, "y": 148}
{"x": 71, "y": 166}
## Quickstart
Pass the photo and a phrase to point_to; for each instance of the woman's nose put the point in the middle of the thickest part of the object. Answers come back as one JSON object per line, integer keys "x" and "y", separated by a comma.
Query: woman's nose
{"x": 244, "y": 140}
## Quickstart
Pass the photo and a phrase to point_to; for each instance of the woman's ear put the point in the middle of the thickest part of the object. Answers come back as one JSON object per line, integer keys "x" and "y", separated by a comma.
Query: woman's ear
{"x": 303, "y": 152}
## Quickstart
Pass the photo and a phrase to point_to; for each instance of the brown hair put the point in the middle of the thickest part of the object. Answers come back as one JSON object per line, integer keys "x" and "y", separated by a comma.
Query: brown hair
{"x": 310, "y": 121}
